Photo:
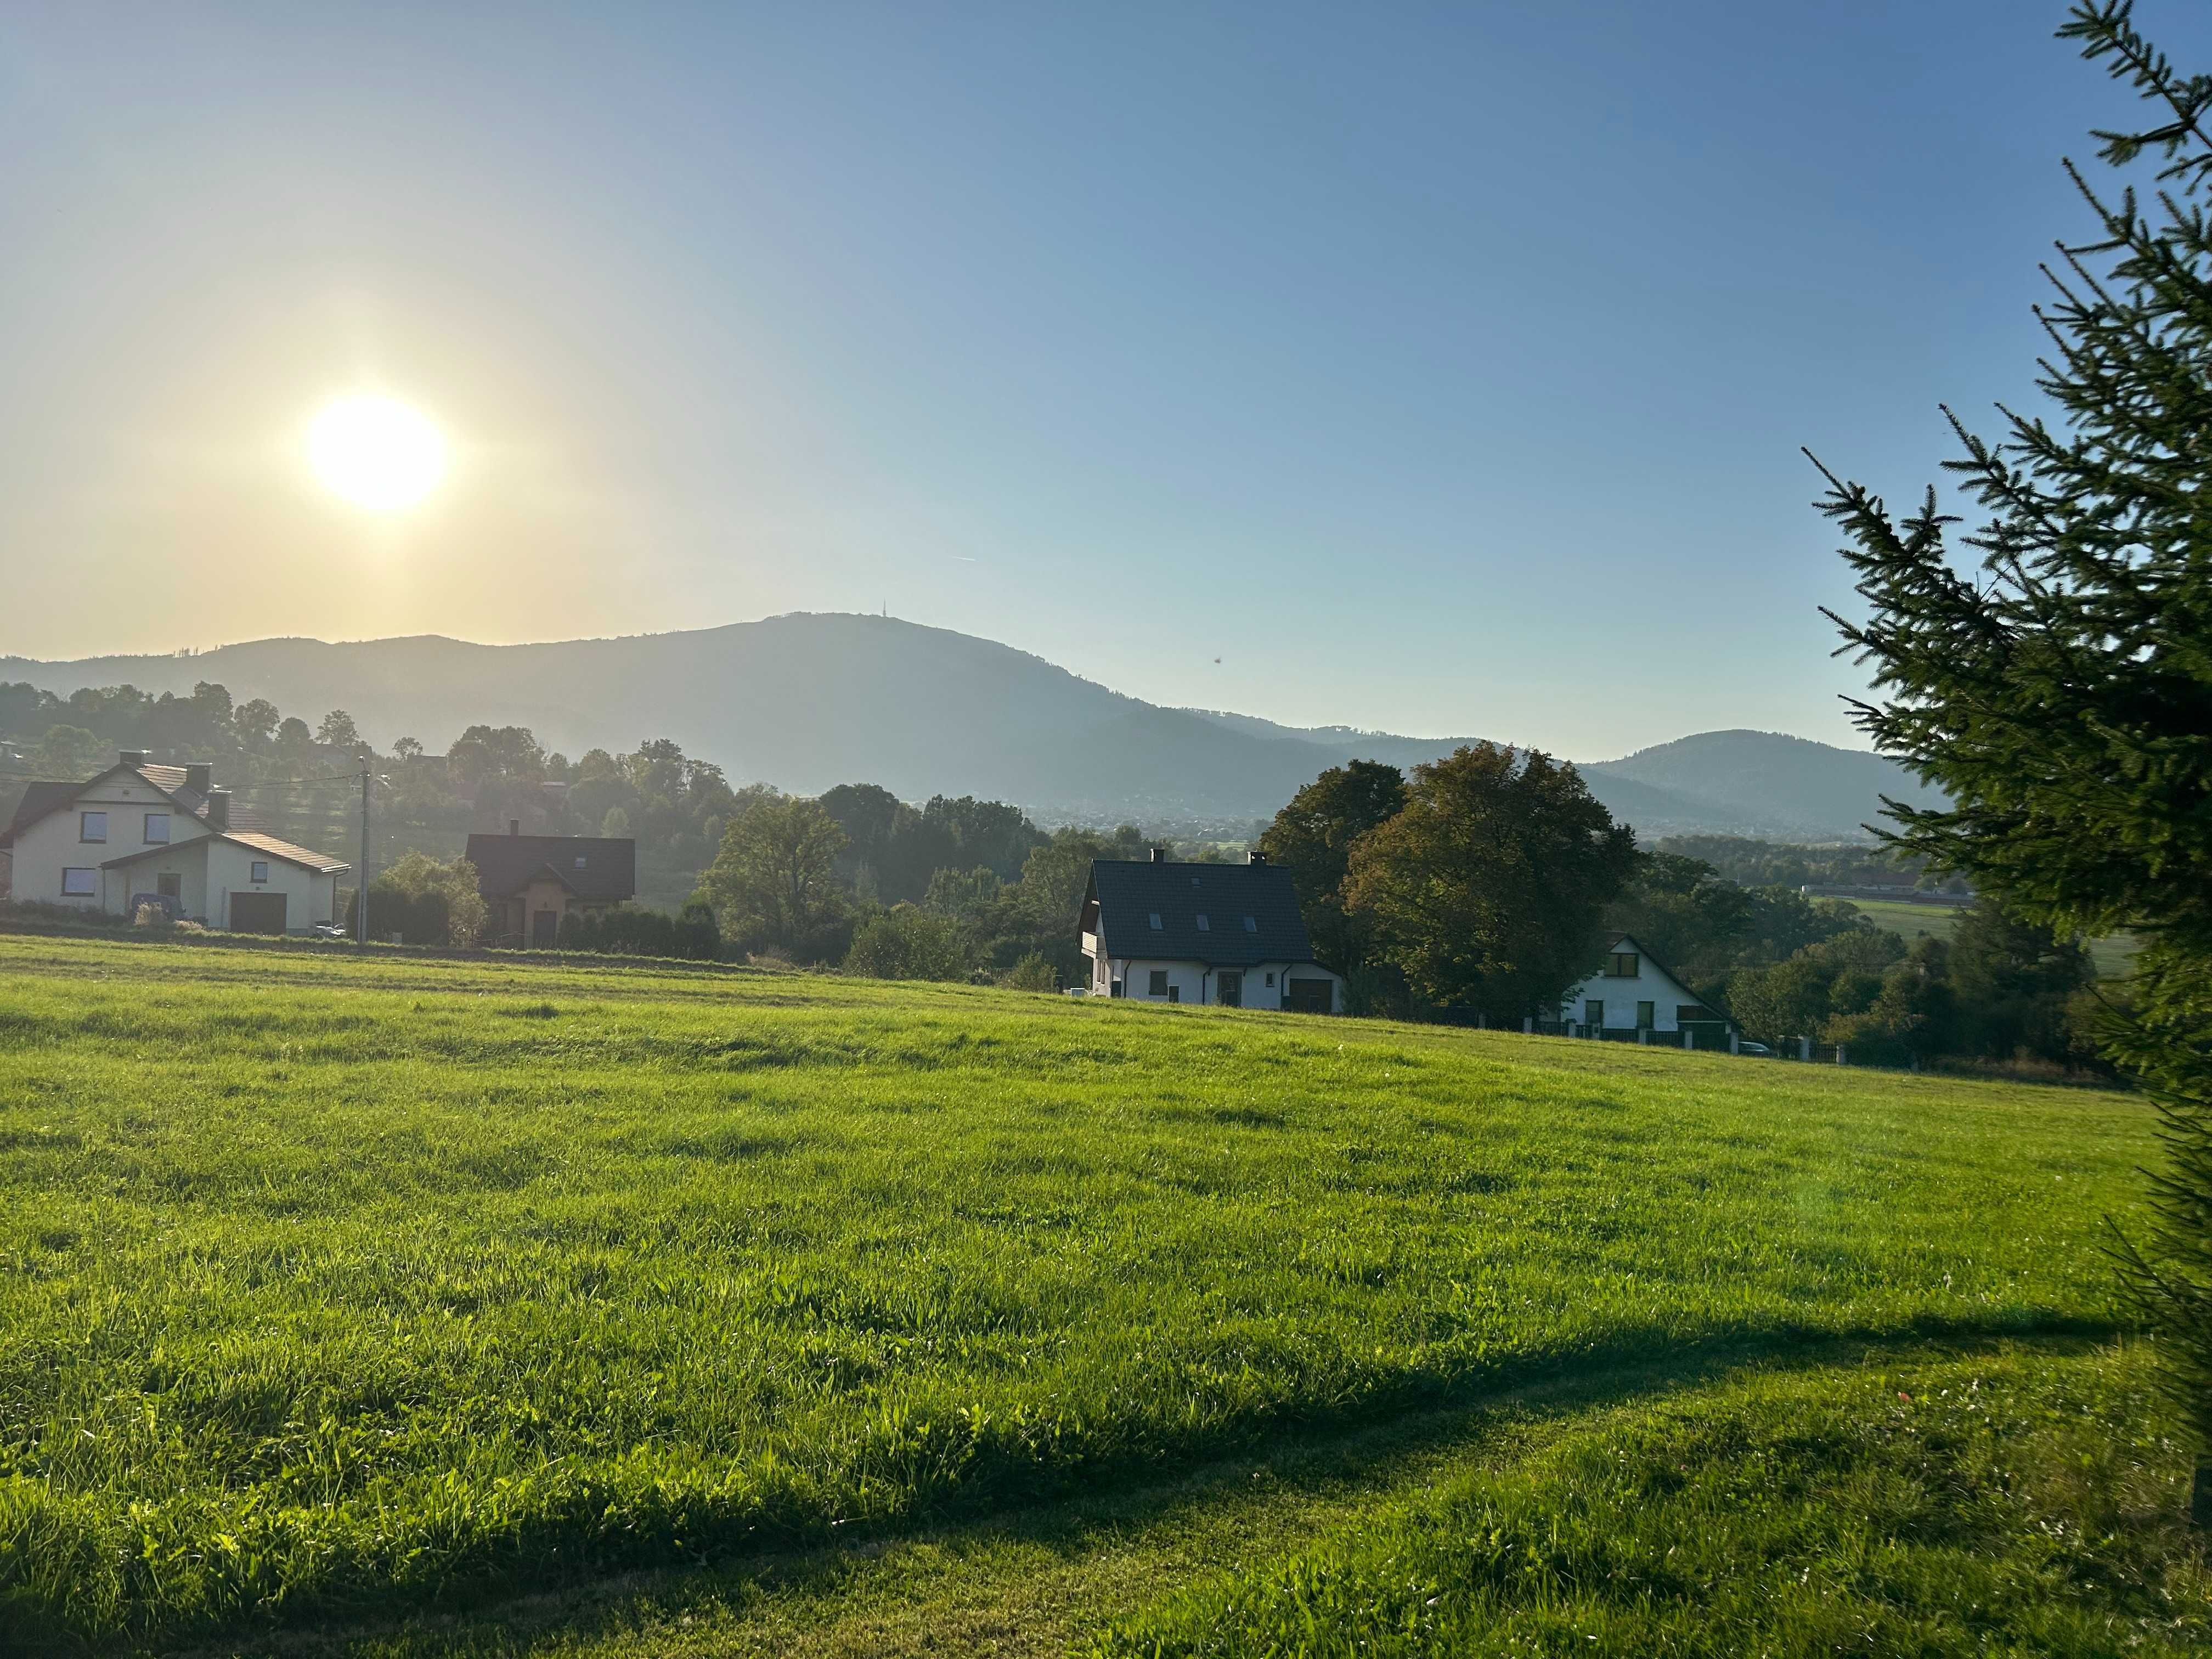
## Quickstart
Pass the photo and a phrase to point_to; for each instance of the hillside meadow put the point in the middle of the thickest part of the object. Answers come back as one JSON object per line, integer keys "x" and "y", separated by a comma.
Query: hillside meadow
{"x": 339, "y": 1288}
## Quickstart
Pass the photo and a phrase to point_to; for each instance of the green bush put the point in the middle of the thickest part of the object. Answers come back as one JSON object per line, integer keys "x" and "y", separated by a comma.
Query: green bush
{"x": 692, "y": 935}
{"x": 908, "y": 942}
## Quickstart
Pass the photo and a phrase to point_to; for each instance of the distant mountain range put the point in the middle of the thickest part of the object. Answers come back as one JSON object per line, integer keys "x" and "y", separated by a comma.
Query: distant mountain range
{"x": 807, "y": 701}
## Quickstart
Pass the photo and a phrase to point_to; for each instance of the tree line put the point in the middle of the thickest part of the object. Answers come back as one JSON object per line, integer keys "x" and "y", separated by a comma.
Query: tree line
{"x": 1487, "y": 884}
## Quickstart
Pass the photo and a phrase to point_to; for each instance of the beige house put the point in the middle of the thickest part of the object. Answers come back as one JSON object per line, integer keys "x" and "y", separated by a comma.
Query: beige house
{"x": 531, "y": 882}
{"x": 142, "y": 833}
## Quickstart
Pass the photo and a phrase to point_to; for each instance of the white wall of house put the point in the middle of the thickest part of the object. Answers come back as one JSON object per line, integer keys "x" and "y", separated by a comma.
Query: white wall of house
{"x": 186, "y": 861}
{"x": 1264, "y": 986}
{"x": 1622, "y": 994}
{"x": 47, "y": 850}
{"x": 235, "y": 867}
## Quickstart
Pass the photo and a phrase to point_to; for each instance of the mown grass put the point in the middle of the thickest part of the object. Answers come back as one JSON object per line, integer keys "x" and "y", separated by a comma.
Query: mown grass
{"x": 2017, "y": 1501}
{"x": 330, "y": 1285}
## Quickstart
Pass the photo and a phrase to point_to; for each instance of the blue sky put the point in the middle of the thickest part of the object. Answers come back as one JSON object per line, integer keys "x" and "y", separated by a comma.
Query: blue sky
{"x": 1440, "y": 370}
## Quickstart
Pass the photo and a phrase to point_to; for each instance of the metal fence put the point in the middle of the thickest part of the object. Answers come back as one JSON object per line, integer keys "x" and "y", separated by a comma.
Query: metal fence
{"x": 1711, "y": 1037}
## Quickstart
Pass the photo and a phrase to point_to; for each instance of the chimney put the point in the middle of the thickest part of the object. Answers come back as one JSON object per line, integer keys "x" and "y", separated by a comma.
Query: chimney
{"x": 515, "y": 826}
{"x": 1159, "y": 855}
{"x": 198, "y": 777}
{"x": 132, "y": 756}
{"x": 218, "y": 808}
{"x": 1255, "y": 856}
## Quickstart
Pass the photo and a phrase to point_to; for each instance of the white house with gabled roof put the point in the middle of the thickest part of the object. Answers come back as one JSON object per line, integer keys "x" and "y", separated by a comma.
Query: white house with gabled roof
{"x": 1228, "y": 935}
{"x": 1632, "y": 991}
{"x": 141, "y": 832}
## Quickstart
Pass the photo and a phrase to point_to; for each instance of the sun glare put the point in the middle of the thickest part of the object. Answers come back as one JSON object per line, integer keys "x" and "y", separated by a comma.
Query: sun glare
{"x": 376, "y": 452}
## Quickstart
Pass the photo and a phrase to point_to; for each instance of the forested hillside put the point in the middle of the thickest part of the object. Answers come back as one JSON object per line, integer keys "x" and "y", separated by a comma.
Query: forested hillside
{"x": 808, "y": 702}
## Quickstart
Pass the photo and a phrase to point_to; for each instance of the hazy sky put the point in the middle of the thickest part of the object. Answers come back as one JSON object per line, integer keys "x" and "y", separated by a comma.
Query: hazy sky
{"x": 1440, "y": 370}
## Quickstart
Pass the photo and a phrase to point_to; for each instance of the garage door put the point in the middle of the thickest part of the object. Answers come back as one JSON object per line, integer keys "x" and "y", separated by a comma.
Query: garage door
{"x": 257, "y": 912}
{"x": 1312, "y": 996}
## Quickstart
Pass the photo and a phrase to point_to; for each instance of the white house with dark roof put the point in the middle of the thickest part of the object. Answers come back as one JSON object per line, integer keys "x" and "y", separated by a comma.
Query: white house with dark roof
{"x": 1231, "y": 935}
{"x": 143, "y": 832}
{"x": 1633, "y": 992}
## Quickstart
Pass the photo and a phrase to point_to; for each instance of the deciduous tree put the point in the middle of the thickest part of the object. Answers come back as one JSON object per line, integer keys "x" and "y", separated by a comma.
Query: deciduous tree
{"x": 1488, "y": 888}
{"x": 773, "y": 883}
{"x": 1312, "y": 837}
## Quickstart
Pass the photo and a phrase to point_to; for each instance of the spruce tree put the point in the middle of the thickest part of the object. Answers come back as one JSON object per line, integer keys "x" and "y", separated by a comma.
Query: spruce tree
{"x": 2062, "y": 692}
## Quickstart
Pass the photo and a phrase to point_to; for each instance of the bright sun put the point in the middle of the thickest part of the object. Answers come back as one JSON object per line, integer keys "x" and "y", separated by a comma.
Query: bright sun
{"x": 376, "y": 452}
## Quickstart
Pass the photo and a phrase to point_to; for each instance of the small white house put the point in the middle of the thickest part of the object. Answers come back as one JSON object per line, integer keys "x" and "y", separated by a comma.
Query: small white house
{"x": 142, "y": 833}
{"x": 1633, "y": 992}
{"x": 1228, "y": 935}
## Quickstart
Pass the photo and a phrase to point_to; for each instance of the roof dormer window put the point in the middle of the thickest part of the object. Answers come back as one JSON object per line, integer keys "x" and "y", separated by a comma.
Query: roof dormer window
{"x": 1155, "y": 921}
{"x": 580, "y": 860}
{"x": 1251, "y": 924}
{"x": 1204, "y": 926}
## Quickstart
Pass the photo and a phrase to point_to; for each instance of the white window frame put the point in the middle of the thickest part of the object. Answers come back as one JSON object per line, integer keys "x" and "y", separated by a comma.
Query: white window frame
{"x": 84, "y": 828}
{"x": 258, "y": 870}
{"x": 153, "y": 840}
{"x": 91, "y": 888}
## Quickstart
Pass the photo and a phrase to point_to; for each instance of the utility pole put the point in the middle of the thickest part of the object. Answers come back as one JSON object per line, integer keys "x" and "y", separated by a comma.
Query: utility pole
{"x": 360, "y": 888}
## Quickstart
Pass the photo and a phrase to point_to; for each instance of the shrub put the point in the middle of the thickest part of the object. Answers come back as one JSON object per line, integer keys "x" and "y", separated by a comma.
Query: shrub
{"x": 645, "y": 933}
{"x": 1032, "y": 972}
{"x": 907, "y": 942}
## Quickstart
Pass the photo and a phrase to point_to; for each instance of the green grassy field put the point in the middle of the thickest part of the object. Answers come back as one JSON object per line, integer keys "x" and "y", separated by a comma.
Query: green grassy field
{"x": 722, "y": 1312}
{"x": 2114, "y": 957}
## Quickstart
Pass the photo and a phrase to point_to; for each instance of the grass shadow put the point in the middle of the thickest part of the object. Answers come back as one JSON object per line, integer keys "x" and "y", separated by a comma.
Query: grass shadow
{"x": 1370, "y": 1447}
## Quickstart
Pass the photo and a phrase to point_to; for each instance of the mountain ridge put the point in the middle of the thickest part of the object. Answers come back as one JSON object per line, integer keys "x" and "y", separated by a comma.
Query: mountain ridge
{"x": 808, "y": 700}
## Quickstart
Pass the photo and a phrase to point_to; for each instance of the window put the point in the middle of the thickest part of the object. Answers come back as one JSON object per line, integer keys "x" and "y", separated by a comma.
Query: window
{"x": 1119, "y": 989}
{"x": 92, "y": 826}
{"x": 1204, "y": 926}
{"x": 80, "y": 884}
{"x": 580, "y": 860}
{"x": 1647, "y": 1016}
{"x": 1621, "y": 964}
{"x": 1271, "y": 981}
{"x": 169, "y": 885}
{"x": 1155, "y": 921}
{"x": 260, "y": 871}
{"x": 1251, "y": 924}
{"x": 1159, "y": 985}
{"x": 157, "y": 829}
{"x": 1593, "y": 1010}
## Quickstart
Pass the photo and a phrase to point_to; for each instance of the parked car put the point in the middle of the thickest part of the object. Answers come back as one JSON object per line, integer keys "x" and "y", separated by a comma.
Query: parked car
{"x": 1758, "y": 1048}
{"x": 328, "y": 930}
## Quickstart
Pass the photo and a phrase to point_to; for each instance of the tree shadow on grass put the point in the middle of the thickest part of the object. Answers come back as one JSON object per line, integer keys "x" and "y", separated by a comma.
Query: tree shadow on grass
{"x": 1369, "y": 1446}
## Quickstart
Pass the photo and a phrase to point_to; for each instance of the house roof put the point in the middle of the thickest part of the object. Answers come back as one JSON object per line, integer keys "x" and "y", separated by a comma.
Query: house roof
{"x": 38, "y": 799}
{"x": 44, "y": 798}
{"x": 267, "y": 845}
{"x": 1250, "y": 910}
{"x": 597, "y": 869}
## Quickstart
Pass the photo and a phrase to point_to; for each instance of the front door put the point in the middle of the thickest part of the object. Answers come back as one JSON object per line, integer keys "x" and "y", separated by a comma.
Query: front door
{"x": 544, "y": 930}
{"x": 1232, "y": 990}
